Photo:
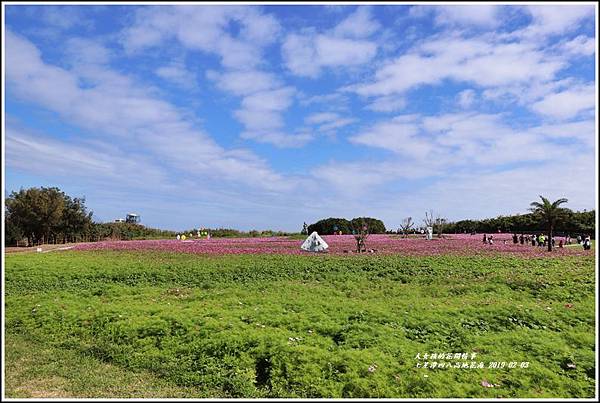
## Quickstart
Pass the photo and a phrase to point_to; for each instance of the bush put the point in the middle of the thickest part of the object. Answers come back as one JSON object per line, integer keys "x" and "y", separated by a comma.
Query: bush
{"x": 327, "y": 226}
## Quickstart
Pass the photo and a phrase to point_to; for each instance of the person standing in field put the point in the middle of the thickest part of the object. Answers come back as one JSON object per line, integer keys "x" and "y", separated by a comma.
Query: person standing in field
{"x": 534, "y": 240}
{"x": 491, "y": 239}
{"x": 515, "y": 238}
{"x": 484, "y": 238}
{"x": 587, "y": 245}
{"x": 521, "y": 239}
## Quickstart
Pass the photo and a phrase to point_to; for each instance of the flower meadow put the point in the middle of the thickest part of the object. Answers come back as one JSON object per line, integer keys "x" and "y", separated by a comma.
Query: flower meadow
{"x": 453, "y": 244}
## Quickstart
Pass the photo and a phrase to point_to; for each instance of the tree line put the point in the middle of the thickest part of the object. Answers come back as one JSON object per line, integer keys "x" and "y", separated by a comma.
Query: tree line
{"x": 569, "y": 222}
{"x": 45, "y": 215}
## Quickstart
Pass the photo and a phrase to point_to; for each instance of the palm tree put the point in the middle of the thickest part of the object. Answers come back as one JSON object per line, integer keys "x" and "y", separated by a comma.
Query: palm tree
{"x": 550, "y": 213}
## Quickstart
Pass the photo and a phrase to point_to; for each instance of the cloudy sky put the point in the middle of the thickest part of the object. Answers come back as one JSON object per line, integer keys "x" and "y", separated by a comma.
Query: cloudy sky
{"x": 268, "y": 116}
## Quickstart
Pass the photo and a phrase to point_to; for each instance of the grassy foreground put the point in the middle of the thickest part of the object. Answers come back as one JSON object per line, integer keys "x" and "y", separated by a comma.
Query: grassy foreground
{"x": 148, "y": 324}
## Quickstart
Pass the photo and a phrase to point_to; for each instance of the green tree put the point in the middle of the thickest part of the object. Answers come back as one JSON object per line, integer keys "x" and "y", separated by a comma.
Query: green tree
{"x": 12, "y": 232}
{"x": 549, "y": 213}
{"x": 76, "y": 221}
{"x": 42, "y": 214}
{"x": 327, "y": 226}
{"x": 36, "y": 211}
{"x": 375, "y": 226}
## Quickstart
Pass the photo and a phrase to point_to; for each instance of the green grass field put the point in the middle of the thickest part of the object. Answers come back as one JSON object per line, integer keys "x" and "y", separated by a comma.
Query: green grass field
{"x": 148, "y": 324}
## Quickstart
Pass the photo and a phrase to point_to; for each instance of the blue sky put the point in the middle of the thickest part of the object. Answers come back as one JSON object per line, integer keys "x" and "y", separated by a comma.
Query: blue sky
{"x": 266, "y": 116}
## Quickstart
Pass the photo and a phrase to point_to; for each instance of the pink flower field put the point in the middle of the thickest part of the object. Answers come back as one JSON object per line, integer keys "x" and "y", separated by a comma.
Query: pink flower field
{"x": 459, "y": 244}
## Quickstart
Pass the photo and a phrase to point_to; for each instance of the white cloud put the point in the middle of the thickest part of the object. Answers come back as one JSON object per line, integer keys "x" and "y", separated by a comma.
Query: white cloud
{"x": 582, "y": 131}
{"x": 336, "y": 124}
{"x": 526, "y": 94}
{"x": 300, "y": 56}
{"x": 39, "y": 154}
{"x": 244, "y": 82}
{"x": 84, "y": 51}
{"x": 272, "y": 100}
{"x": 466, "y": 98}
{"x": 343, "y": 52}
{"x": 334, "y": 100}
{"x": 177, "y": 73}
{"x": 328, "y": 121}
{"x": 464, "y": 125}
{"x": 205, "y": 29}
{"x": 477, "y": 61}
{"x": 475, "y": 166}
{"x": 460, "y": 139}
{"x": 307, "y": 53}
{"x": 481, "y": 15}
{"x": 354, "y": 181}
{"x": 387, "y": 104}
{"x": 396, "y": 135}
{"x": 581, "y": 45}
{"x": 279, "y": 139}
{"x": 484, "y": 139}
{"x": 321, "y": 117}
{"x": 556, "y": 19}
{"x": 488, "y": 194}
{"x": 116, "y": 106}
{"x": 59, "y": 17}
{"x": 477, "y": 15}
{"x": 389, "y": 191}
{"x": 567, "y": 104}
{"x": 260, "y": 113}
{"x": 359, "y": 24}
{"x": 264, "y": 100}
{"x": 33, "y": 79}
{"x": 115, "y": 178}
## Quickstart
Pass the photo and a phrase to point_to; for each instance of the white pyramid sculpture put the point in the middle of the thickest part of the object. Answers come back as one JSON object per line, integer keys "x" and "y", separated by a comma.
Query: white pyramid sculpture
{"x": 314, "y": 243}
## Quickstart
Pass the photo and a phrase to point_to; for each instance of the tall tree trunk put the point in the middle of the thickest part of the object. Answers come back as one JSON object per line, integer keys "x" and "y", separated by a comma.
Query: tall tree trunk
{"x": 550, "y": 238}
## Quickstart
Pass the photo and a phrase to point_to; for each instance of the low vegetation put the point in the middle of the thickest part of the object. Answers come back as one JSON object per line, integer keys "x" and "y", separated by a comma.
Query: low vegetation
{"x": 300, "y": 326}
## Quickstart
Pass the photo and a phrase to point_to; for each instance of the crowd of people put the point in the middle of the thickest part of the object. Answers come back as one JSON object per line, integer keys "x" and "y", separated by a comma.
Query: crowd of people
{"x": 542, "y": 240}
{"x": 200, "y": 234}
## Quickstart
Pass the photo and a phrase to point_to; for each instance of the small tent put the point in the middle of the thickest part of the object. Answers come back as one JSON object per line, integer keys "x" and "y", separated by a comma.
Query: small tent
{"x": 314, "y": 243}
